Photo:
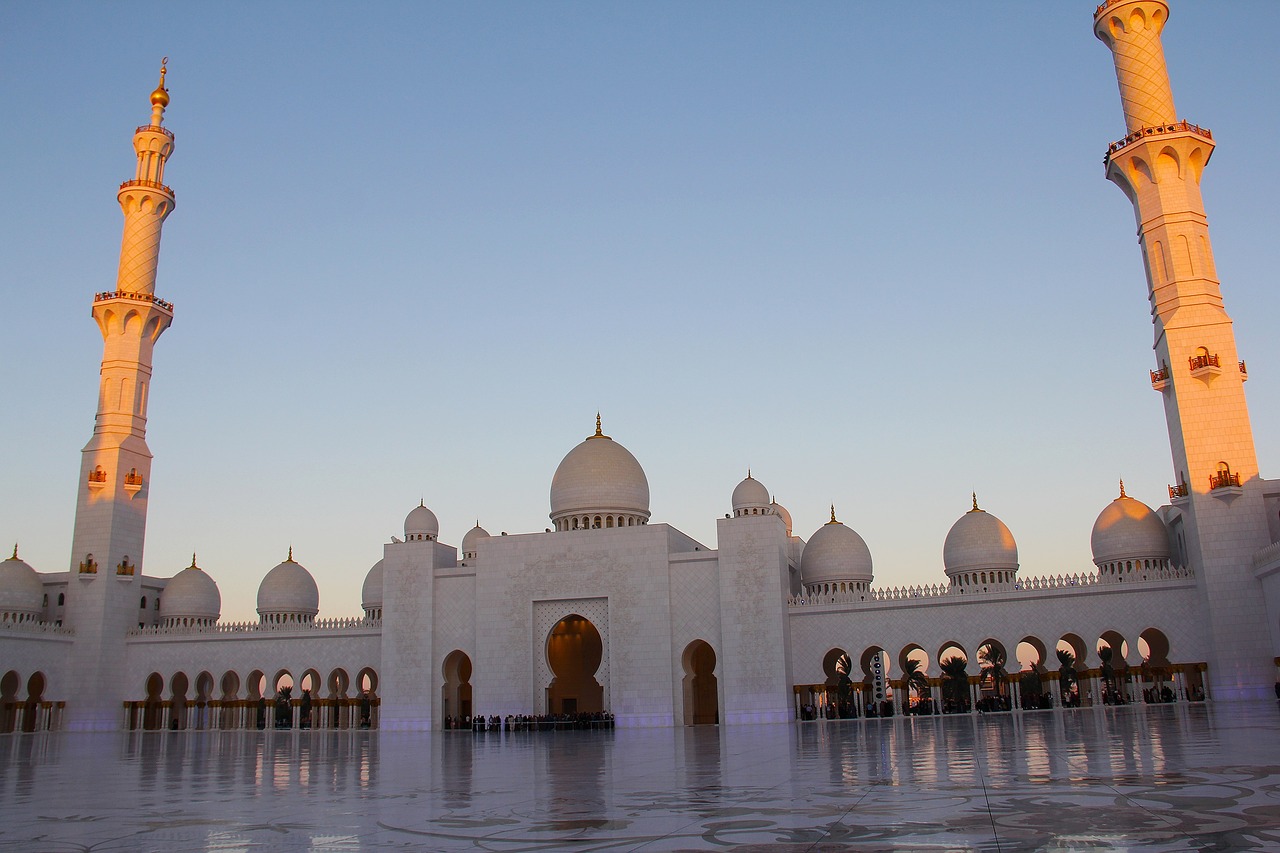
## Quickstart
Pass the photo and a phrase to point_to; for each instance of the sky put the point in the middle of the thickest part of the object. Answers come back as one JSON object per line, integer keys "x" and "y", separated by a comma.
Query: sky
{"x": 865, "y": 250}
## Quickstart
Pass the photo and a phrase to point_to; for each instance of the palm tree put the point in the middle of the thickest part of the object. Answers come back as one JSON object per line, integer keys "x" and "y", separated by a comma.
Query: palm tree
{"x": 1066, "y": 672}
{"x": 844, "y": 686}
{"x": 914, "y": 679}
{"x": 1107, "y": 670}
{"x": 993, "y": 660}
{"x": 955, "y": 681}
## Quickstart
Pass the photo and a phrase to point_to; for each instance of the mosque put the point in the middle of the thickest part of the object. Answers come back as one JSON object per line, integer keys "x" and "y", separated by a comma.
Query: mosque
{"x": 609, "y": 612}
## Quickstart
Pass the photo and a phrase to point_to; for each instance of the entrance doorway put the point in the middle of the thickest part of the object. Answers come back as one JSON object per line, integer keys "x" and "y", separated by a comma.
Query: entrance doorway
{"x": 701, "y": 689}
{"x": 455, "y": 697}
{"x": 574, "y": 652}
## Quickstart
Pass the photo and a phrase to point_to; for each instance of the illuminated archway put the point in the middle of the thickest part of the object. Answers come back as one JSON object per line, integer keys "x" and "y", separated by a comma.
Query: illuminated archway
{"x": 455, "y": 695}
{"x": 701, "y": 689}
{"x": 574, "y": 652}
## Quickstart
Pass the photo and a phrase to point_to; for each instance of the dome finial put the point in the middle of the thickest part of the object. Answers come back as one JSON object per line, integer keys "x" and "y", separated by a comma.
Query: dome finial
{"x": 160, "y": 97}
{"x": 15, "y": 551}
{"x": 599, "y": 429}
{"x": 1122, "y": 494}
{"x": 833, "y": 515}
{"x": 290, "y": 558}
{"x": 748, "y": 473}
{"x": 975, "y": 503}
{"x": 193, "y": 561}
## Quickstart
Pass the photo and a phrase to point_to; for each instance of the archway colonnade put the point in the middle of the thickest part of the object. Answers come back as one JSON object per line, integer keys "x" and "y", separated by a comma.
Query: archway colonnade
{"x": 26, "y": 710}
{"x": 994, "y": 676}
{"x": 256, "y": 701}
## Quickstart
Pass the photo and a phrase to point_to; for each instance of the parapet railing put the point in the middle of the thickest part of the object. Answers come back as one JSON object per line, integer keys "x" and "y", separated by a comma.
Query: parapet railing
{"x": 1156, "y": 130}
{"x": 1023, "y": 585}
{"x": 37, "y": 628}
{"x": 136, "y": 297}
{"x": 155, "y": 128}
{"x": 1263, "y": 556}
{"x": 318, "y": 625}
{"x": 143, "y": 182}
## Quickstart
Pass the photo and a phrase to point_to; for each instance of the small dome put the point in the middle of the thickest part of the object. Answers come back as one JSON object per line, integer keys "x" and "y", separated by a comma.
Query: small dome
{"x": 288, "y": 593}
{"x": 979, "y": 541}
{"x": 421, "y": 523}
{"x": 781, "y": 511}
{"x": 160, "y": 97}
{"x": 750, "y": 494}
{"x": 1128, "y": 529}
{"x": 835, "y": 553}
{"x": 473, "y": 536}
{"x": 191, "y": 594}
{"x": 599, "y": 476}
{"x": 371, "y": 592}
{"x": 21, "y": 592}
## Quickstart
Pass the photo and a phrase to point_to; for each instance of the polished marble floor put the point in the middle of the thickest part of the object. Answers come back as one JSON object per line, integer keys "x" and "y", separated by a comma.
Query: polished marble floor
{"x": 1186, "y": 777}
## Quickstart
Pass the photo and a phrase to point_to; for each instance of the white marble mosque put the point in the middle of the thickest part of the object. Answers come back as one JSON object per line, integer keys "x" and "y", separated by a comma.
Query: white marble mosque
{"x": 611, "y": 614}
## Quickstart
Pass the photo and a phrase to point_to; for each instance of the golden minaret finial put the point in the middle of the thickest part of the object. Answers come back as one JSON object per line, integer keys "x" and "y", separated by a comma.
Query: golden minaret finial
{"x": 833, "y": 515}
{"x": 160, "y": 97}
{"x": 599, "y": 429}
{"x": 1122, "y": 494}
{"x": 975, "y": 503}
{"x": 290, "y": 559}
{"x": 193, "y": 561}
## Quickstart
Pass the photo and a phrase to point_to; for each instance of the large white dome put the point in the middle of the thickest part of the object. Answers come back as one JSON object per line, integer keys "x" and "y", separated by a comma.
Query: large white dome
{"x": 1128, "y": 529}
{"x": 421, "y": 523}
{"x": 599, "y": 477}
{"x": 191, "y": 594}
{"x": 750, "y": 495}
{"x": 979, "y": 542}
{"x": 835, "y": 554}
{"x": 288, "y": 594}
{"x": 371, "y": 592}
{"x": 472, "y": 539}
{"x": 21, "y": 592}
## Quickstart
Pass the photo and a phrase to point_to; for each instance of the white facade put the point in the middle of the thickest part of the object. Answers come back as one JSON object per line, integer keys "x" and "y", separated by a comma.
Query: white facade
{"x": 612, "y": 612}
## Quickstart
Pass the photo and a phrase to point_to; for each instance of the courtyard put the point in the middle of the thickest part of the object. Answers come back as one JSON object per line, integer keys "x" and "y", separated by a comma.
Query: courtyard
{"x": 1186, "y": 776}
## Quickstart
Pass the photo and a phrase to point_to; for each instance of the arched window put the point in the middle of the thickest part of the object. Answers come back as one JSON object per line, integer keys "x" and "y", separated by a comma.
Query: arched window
{"x": 142, "y": 605}
{"x": 62, "y": 599}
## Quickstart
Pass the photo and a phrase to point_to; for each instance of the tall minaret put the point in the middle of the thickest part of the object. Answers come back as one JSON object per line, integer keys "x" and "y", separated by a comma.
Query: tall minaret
{"x": 115, "y": 468}
{"x": 1221, "y": 519}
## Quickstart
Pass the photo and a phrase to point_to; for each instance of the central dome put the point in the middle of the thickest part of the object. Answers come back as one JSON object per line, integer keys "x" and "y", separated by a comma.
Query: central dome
{"x": 599, "y": 484}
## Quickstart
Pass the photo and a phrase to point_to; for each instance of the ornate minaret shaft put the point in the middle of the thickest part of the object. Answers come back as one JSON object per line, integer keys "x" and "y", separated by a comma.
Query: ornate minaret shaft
{"x": 1221, "y": 520}
{"x": 115, "y": 469}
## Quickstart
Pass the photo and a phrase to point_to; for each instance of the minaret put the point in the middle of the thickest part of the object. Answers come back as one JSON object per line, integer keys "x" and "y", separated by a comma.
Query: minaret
{"x": 1220, "y": 520}
{"x": 115, "y": 468}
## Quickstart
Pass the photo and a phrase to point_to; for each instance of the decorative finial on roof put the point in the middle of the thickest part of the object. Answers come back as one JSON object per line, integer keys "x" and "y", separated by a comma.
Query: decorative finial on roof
{"x": 748, "y": 473}
{"x": 599, "y": 429}
{"x": 15, "y": 551}
{"x": 290, "y": 559}
{"x": 160, "y": 97}
{"x": 975, "y": 503}
{"x": 1122, "y": 494}
{"x": 193, "y": 562}
{"x": 833, "y": 515}
{"x": 422, "y": 502}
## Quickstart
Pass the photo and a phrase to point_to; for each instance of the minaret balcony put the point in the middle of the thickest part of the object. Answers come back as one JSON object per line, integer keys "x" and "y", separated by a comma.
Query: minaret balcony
{"x": 142, "y": 182}
{"x": 1205, "y": 367}
{"x": 1224, "y": 480}
{"x": 97, "y": 479}
{"x": 1244, "y": 372}
{"x": 1179, "y": 494}
{"x": 1160, "y": 378}
{"x": 136, "y": 297}
{"x": 155, "y": 128}
{"x": 133, "y": 482}
{"x": 1157, "y": 130}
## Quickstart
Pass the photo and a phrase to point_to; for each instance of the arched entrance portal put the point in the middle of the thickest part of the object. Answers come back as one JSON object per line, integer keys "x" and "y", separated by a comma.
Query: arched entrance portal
{"x": 574, "y": 652}
{"x": 701, "y": 690}
{"x": 456, "y": 693}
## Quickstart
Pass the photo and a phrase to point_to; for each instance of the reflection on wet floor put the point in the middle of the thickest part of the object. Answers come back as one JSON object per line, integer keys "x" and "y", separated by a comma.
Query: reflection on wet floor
{"x": 1168, "y": 777}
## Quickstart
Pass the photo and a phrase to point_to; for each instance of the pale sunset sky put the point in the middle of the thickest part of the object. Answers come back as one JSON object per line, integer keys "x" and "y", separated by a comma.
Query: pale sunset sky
{"x": 866, "y": 250}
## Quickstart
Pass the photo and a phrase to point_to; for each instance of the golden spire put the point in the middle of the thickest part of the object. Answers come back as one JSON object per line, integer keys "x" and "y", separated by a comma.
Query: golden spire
{"x": 975, "y": 503}
{"x": 160, "y": 97}
{"x": 1122, "y": 494}
{"x": 15, "y": 551}
{"x": 599, "y": 430}
{"x": 833, "y": 515}
{"x": 748, "y": 473}
{"x": 290, "y": 560}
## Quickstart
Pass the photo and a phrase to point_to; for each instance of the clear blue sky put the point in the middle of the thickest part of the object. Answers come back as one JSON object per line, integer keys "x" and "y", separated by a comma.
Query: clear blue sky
{"x": 865, "y": 249}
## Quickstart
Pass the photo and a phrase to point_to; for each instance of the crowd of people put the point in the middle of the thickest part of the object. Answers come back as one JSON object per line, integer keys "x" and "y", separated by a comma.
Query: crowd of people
{"x": 529, "y": 722}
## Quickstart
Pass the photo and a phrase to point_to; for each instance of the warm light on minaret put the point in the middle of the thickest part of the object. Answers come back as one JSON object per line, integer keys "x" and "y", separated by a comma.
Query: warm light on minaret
{"x": 115, "y": 466}
{"x": 1218, "y": 518}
